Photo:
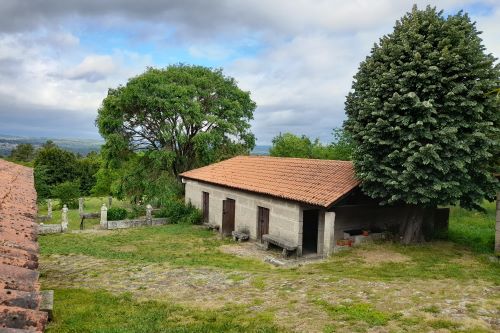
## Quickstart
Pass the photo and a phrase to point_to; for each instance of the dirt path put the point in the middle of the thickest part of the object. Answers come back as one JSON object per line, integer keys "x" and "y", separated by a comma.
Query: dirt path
{"x": 299, "y": 300}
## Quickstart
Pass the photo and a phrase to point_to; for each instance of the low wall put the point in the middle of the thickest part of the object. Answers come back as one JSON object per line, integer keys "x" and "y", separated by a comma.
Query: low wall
{"x": 125, "y": 224}
{"x": 44, "y": 229}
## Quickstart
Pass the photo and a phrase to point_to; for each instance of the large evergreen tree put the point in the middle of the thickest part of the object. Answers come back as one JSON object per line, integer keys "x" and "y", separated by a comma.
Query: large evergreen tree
{"x": 425, "y": 127}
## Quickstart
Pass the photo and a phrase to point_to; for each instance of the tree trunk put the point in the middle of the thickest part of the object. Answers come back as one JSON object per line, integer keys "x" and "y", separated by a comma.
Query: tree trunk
{"x": 411, "y": 230}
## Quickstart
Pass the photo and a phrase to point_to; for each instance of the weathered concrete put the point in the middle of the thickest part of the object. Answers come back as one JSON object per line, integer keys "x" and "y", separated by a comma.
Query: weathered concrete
{"x": 149, "y": 217}
{"x": 44, "y": 229}
{"x": 80, "y": 205}
{"x": 64, "y": 218}
{"x": 125, "y": 224}
{"x": 284, "y": 216}
{"x": 104, "y": 217}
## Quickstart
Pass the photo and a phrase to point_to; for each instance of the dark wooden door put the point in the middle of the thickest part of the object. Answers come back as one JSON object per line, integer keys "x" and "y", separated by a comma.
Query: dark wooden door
{"x": 262, "y": 222}
{"x": 206, "y": 205}
{"x": 228, "y": 212}
{"x": 310, "y": 231}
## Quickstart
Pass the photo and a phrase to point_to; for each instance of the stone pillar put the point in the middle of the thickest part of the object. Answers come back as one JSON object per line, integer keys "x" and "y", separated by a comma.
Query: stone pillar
{"x": 104, "y": 217}
{"x": 301, "y": 230}
{"x": 110, "y": 201}
{"x": 329, "y": 234}
{"x": 497, "y": 228}
{"x": 149, "y": 216}
{"x": 80, "y": 206}
{"x": 64, "y": 218}
{"x": 49, "y": 208}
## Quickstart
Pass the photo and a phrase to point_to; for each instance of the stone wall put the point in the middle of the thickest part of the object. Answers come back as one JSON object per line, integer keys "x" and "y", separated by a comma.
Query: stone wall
{"x": 124, "y": 224}
{"x": 284, "y": 216}
{"x": 44, "y": 229}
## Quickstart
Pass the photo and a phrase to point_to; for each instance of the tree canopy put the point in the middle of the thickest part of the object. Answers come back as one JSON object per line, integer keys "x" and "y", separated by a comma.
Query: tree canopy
{"x": 186, "y": 116}
{"x": 424, "y": 126}
{"x": 291, "y": 145}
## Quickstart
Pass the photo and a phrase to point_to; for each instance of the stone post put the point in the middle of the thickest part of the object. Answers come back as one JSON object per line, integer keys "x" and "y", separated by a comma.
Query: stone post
{"x": 80, "y": 206}
{"x": 497, "y": 228}
{"x": 149, "y": 217}
{"x": 110, "y": 201}
{"x": 104, "y": 217}
{"x": 64, "y": 218}
{"x": 329, "y": 234}
{"x": 49, "y": 208}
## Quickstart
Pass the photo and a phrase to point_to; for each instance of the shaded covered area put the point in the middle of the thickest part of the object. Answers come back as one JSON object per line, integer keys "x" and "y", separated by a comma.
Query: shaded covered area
{"x": 20, "y": 297}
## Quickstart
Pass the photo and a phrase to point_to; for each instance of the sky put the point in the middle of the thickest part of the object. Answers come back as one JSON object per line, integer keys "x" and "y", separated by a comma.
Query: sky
{"x": 297, "y": 58}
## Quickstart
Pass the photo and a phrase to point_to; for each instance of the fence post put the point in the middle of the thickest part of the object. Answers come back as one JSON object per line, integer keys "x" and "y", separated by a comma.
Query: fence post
{"x": 149, "y": 217}
{"x": 64, "y": 219}
{"x": 104, "y": 217}
{"x": 49, "y": 208}
{"x": 110, "y": 201}
{"x": 80, "y": 206}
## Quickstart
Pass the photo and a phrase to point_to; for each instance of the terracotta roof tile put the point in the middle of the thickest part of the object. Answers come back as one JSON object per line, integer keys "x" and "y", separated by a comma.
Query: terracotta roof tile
{"x": 316, "y": 182}
{"x": 19, "y": 286}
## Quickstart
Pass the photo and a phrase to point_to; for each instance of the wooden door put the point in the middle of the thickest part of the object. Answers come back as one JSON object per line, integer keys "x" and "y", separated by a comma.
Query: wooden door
{"x": 262, "y": 222}
{"x": 228, "y": 213}
{"x": 206, "y": 205}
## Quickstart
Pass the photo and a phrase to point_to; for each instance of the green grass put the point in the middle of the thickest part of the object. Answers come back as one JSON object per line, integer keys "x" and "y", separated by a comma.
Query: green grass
{"x": 98, "y": 311}
{"x": 91, "y": 205}
{"x": 177, "y": 244}
{"x": 473, "y": 229}
{"x": 356, "y": 312}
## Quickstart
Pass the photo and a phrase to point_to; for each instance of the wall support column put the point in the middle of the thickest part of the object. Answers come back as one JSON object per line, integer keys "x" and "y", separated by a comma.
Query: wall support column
{"x": 329, "y": 234}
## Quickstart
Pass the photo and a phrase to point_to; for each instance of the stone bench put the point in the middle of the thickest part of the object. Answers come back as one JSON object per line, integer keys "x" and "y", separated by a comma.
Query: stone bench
{"x": 211, "y": 226}
{"x": 287, "y": 246}
{"x": 240, "y": 236}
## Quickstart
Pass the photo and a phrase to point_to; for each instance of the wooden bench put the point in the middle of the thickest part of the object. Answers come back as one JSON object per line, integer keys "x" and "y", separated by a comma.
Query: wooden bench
{"x": 240, "y": 236}
{"x": 283, "y": 243}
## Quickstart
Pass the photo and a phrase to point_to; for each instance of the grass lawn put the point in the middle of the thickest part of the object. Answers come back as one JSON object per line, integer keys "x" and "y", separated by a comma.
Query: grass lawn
{"x": 91, "y": 205}
{"x": 181, "y": 278}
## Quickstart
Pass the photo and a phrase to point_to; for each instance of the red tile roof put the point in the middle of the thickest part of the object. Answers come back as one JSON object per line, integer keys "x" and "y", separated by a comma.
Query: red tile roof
{"x": 19, "y": 287}
{"x": 315, "y": 182}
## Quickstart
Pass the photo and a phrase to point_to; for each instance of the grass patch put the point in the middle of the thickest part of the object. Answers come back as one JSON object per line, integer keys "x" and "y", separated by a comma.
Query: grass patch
{"x": 98, "y": 311}
{"x": 91, "y": 205}
{"x": 356, "y": 312}
{"x": 177, "y": 244}
{"x": 432, "y": 309}
{"x": 442, "y": 323}
{"x": 473, "y": 229}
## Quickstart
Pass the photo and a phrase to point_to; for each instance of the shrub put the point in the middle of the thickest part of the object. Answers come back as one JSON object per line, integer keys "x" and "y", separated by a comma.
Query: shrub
{"x": 67, "y": 193}
{"x": 117, "y": 213}
{"x": 136, "y": 211}
{"x": 177, "y": 212}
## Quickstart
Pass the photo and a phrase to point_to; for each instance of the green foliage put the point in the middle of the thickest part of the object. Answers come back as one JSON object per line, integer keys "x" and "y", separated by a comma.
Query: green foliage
{"x": 87, "y": 168}
{"x": 187, "y": 116}
{"x": 177, "y": 212}
{"x": 117, "y": 213}
{"x": 81, "y": 310}
{"x": 474, "y": 229}
{"x": 424, "y": 127}
{"x": 24, "y": 152}
{"x": 356, "y": 312}
{"x": 67, "y": 193}
{"x": 53, "y": 166}
{"x": 290, "y": 145}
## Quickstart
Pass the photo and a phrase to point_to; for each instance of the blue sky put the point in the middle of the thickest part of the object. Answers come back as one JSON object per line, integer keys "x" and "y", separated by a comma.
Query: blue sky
{"x": 297, "y": 58}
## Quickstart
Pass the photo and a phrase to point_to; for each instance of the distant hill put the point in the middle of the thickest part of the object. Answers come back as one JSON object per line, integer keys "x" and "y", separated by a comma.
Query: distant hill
{"x": 79, "y": 146}
{"x": 261, "y": 150}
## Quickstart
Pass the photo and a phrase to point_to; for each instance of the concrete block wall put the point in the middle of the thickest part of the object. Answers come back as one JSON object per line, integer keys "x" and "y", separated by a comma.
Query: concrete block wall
{"x": 284, "y": 216}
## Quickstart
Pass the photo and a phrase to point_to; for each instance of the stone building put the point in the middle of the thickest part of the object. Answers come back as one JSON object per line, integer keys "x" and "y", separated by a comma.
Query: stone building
{"x": 309, "y": 205}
